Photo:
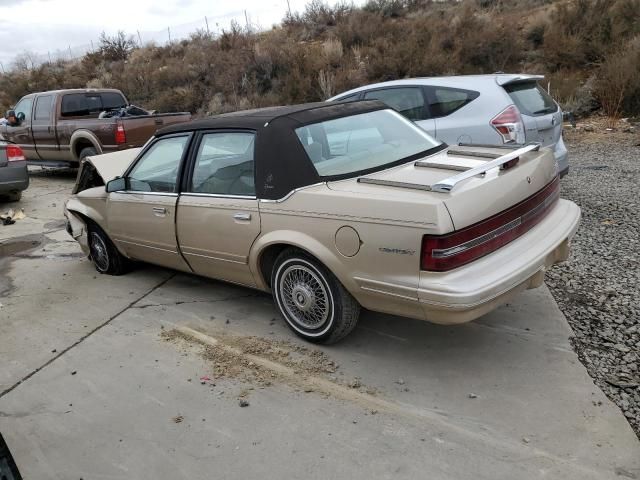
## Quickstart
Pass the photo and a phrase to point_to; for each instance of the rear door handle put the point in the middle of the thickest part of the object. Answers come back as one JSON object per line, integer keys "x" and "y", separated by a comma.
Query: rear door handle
{"x": 159, "y": 211}
{"x": 244, "y": 217}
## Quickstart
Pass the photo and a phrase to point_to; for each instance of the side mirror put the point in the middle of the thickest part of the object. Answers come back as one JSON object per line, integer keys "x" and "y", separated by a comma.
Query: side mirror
{"x": 20, "y": 116}
{"x": 116, "y": 185}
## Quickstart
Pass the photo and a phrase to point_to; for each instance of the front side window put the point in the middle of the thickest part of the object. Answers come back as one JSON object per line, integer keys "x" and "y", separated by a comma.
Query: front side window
{"x": 43, "y": 107}
{"x": 366, "y": 141}
{"x": 24, "y": 107}
{"x": 224, "y": 164}
{"x": 157, "y": 170}
{"x": 445, "y": 101}
{"x": 408, "y": 101}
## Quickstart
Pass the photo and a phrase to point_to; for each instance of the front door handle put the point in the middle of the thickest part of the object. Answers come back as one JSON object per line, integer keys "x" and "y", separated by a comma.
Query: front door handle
{"x": 244, "y": 217}
{"x": 160, "y": 211}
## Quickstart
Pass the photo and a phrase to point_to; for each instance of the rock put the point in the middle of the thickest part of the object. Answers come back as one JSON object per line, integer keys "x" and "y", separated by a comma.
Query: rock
{"x": 473, "y": 395}
{"x": 243, "y": 402}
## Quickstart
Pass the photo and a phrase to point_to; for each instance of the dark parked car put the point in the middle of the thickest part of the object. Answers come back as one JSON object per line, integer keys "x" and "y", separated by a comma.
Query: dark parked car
{"x": 13, "y": 171}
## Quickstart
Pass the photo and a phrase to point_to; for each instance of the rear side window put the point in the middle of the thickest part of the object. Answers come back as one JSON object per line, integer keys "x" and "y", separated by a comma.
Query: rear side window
{"x": 444, "y": 101}
{"x": 224, "y": 164}
{"x": 531, "y": 98}
{"x": 43, "y": 107}
{"x": 409, "y": 101}
{"x": 81, "y": 105}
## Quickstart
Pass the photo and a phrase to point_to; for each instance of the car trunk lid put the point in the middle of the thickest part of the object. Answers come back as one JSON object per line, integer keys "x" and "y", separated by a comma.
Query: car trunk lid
{"x": 471, "y": 200}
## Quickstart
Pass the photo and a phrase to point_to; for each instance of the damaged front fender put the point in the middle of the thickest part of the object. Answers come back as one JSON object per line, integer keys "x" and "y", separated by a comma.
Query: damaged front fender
{"x": 77, "y": 228}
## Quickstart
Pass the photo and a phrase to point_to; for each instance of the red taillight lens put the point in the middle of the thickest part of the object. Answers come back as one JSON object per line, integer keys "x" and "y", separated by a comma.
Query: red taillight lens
{"x": 15, "y": 154}
{"x": 121, "y": 136}
{"x": 441, "y": 253}
{"x": 508, "y": 123}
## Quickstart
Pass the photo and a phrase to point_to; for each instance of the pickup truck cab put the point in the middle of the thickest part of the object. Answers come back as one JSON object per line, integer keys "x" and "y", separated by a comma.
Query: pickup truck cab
{"x": 64, "y": 125}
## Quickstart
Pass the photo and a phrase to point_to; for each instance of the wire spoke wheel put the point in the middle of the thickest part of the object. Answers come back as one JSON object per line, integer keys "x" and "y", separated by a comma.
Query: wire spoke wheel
{"x": 99, "y": 252}
{"x": 305, "y": 297}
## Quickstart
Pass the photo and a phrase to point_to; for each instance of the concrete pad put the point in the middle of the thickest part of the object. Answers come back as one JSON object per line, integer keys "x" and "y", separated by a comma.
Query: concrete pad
{"x": 503, "y": 397}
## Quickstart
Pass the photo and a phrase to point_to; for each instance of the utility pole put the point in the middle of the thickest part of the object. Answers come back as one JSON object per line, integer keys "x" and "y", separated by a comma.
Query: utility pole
{"x": 207, "y": 23}
{"x": 49, "y": 54}
{"x": 139, "y": 37}
{"x": 169, "y": 31}
{"x": 289, "y": 7}
{"x": 246, "y": 20}
{"x": 92, "y": 49}
{"x": 70, "y": 55}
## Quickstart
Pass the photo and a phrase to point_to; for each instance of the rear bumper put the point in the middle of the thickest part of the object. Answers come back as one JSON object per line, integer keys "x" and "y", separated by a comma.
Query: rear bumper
{"x": 14, "y": 177}
{"x": 469, "y": 292}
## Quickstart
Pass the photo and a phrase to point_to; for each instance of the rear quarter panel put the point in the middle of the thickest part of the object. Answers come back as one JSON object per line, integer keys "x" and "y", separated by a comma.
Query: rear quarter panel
{"x": 384, "y": 273}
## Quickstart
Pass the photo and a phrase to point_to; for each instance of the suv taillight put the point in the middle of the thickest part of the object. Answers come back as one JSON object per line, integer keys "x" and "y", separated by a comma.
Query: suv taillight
{"x": 121, "y": 136}
{"x": 441, "y": 253}
{"x": 508, "y": 123}
{"x": 15, "y": 154}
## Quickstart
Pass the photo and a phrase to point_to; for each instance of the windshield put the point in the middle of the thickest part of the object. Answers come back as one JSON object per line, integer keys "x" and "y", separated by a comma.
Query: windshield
{"x": 362, "y": 142}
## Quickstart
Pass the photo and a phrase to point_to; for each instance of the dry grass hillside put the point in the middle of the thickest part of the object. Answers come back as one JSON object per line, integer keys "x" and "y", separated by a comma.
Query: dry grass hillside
{"x": 588, "y": 49}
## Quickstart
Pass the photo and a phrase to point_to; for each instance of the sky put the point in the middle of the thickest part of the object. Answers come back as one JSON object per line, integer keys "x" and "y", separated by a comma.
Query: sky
{"x": 67, "y": 27}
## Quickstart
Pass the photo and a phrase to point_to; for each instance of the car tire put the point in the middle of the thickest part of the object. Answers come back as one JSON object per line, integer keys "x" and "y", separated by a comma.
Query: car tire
{"x": 103, "y": 254}
{"x": 313, "y": 302}
{"x": 87, "y": 152}
{"x": 14, "y": 196}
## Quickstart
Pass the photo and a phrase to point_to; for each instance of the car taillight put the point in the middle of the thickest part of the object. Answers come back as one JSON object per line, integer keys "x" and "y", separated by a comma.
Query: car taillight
{"x": 508, "y": 123}
{"x": 441, "y": 253}
{"x": 121, "y": 136}
{"x": 15, "y": 154}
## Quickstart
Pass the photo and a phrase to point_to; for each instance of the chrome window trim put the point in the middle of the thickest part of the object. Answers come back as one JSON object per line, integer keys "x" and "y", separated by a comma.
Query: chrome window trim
{"x": 280, "y": 200}
{"x": 219, "y": 195}
{"x": 158, "y": 194}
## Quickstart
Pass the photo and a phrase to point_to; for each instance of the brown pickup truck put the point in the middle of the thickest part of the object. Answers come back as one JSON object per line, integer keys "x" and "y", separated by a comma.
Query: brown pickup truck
{"x": 66, "y": 125}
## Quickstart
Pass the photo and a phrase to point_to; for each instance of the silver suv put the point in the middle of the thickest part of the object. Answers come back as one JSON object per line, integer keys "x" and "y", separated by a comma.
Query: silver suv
{"x": 479, "y": 109}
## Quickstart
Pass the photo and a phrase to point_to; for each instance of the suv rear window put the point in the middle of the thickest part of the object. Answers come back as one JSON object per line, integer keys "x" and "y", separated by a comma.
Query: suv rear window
{"x": 85, "y": 104}
{"x": 444, "y": 101}
{"x": 531, "y": 98}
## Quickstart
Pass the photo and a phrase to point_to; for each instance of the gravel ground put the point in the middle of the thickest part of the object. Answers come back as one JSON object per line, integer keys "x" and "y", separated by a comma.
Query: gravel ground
{"x": 598, "y": 289}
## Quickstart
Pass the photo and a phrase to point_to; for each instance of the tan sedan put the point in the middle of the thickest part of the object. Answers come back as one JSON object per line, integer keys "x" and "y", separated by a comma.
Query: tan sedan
{"x": 331, "y": 207}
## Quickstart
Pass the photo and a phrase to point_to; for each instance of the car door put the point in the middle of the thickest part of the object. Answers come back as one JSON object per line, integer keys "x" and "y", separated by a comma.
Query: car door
{"x": 218, "y": 218}
{"x": 141, "y": 219}
{"x": 43, "y": 131}
{"x": 409, "y": 101}
{"x": 21, "y": 134}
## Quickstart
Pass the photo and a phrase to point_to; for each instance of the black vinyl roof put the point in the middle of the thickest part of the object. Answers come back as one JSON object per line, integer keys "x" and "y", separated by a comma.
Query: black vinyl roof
{"x": 257, "y": 118}
{"x": 281, "y": 162}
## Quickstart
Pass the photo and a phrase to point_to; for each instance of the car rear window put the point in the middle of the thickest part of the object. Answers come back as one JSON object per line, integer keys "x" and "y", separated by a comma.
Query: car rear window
{"x": 444, "y": 101}
{"x": 363, "y": 142}
{"x": 531, "y": 98}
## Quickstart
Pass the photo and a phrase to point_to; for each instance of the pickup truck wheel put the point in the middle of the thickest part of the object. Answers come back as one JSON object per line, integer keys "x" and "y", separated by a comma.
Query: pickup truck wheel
{"x": 313, "y": 302}
{"x": 87, "y": 152}
{"x": 103, "y": 253}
